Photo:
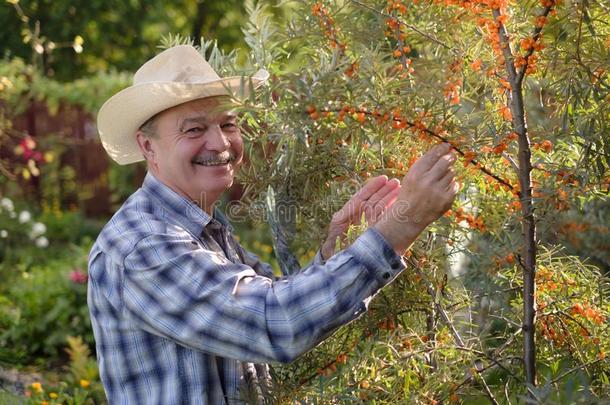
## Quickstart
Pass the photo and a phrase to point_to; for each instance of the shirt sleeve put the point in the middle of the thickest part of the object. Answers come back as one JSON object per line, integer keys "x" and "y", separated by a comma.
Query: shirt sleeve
{"x": 252, "y": 260}
{"x": 177, "y": 289}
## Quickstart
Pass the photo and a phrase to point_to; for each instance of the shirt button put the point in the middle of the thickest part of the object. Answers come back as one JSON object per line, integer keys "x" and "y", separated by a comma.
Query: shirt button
{"x": 194, "y": 243}
{"x": 395, "y": 264}
{"x": 386, "y": 275}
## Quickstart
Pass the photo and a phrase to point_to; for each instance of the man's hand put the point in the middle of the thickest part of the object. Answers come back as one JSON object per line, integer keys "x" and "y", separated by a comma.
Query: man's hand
{"x": 427, "y": 192}
{"x": 373, "y": 200}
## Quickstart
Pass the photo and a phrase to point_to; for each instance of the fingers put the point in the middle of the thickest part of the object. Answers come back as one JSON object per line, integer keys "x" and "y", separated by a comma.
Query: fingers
{"x": 370, "y": 188}
{"x": 381, "y": 200}
{"x": 353, "y": 208}
{"x": 391, "y": 186}
{"x": 426, "y": 162}
{"x": 442, "y": 165}
{"x": 446, "y": 180}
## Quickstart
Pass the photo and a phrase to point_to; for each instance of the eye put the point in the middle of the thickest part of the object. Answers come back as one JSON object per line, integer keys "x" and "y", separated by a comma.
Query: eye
{"x": 194, "y": 131}
{"x": 229, "y": 126}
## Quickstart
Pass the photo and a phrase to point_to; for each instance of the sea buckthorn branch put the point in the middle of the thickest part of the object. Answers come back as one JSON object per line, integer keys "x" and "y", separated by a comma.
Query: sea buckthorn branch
{"x": 438, "y": 306}
{"x": 506, "y": 50}
{"x": 565, "y": 329}
{"x": 399, "y": 123}
{"x": 459, "y": 342}
{"x": 331, "y": 32}
{"x": 327, "y": 23}
{"x": 540, "y": 22}
{"x": 331, "y": 366}
{"x": 570, "y": 371}
{"x": 468, "y": 156}
{"x": 403, "y": 57}
{"x": 409, "y": 26}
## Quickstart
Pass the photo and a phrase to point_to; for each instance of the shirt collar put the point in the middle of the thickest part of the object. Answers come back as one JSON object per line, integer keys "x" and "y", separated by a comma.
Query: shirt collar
{"x": 177, "y": 207}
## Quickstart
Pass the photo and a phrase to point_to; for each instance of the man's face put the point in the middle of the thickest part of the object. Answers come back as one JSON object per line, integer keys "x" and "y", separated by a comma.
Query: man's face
{"x": 197, "y": 148}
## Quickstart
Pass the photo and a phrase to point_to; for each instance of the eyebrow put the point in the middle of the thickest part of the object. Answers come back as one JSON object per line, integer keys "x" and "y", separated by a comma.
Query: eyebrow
{"x": 203, "y": 118}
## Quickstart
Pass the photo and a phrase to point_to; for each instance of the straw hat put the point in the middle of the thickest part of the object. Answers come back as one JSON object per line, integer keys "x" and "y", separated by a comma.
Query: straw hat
{"x": 175, "y": 76}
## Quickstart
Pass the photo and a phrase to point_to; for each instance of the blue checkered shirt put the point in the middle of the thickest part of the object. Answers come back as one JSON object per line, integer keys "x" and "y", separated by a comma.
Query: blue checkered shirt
{"x": 182, "y": 314}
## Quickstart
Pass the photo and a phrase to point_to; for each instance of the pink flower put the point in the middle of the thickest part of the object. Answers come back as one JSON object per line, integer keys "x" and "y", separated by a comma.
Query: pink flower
{"x": 78, "y": 277}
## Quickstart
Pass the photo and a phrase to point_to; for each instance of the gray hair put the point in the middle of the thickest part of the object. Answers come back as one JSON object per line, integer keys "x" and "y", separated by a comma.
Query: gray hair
{"x": 149, "y": 128}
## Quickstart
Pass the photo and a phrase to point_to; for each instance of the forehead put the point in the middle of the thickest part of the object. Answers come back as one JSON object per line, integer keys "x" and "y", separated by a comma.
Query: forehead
{"x": 208, "y": 108}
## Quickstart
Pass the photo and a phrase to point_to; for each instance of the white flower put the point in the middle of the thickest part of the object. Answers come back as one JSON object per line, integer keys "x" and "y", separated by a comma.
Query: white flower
{"x": 38, "y": 229}
{"x": 42, "y": 242}
{"x": 7, "y": 204}
{"x": 3, "y": 233}
{"x": 24, "y": 216}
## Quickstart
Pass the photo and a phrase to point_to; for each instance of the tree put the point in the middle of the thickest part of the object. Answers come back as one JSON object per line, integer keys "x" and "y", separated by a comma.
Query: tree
{"x": 520, "y": 90}
{"x": 107, "y": 34}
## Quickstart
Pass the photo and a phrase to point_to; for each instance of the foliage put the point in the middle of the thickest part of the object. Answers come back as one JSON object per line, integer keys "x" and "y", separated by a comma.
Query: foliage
{"x": 18, "y": 229}
{"x": 80, "y": 385}
{"x": 361, "y": 88}
{"x": 81, "y": 393}
{"x": 109, "y": 34}
{"x": 43, "y": 304}
{"x": 22, "y": 83}
{"x": 377, "y": 83}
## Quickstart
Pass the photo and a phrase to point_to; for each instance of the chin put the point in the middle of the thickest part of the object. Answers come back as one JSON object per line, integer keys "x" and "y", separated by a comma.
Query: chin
{"x": 216, "y": 187}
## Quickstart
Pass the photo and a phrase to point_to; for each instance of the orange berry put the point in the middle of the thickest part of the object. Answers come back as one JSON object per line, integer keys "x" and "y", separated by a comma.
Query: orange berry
{"x": 546, "y": 146}
{"x": 476, "y": 65}
{"x": 506, "y": 113}
{"x": 541, "y": 21}
{"x": 498, "y": 149}
{"x": 469, "y": 157}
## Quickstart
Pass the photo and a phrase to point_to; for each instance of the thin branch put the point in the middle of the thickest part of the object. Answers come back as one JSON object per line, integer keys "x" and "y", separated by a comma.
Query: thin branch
{"x": 430, "y": 289}
{"x": 490, "y": 395}
{"x": 535, "y": 36}
{"x": 409, "y": 26}
{"x": 428, "y": 131}
{"x": 506, "y": 393}
{"x": 507, "y": 52}
{"x": 570, "y": 371}
{"x": 511, "y": 161}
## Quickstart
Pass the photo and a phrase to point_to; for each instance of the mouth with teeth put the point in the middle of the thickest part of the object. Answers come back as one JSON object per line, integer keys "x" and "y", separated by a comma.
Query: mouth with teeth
{"x": 217, "y": 160}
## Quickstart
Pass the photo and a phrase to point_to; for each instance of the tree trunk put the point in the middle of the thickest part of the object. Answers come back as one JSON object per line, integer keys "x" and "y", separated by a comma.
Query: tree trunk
{"x": 198, "y": 23}
{"x": 528, "y": 259}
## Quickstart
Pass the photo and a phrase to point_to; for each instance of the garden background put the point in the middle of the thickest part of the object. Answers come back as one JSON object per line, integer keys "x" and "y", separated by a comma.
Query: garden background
{"x": 505, "y": 298}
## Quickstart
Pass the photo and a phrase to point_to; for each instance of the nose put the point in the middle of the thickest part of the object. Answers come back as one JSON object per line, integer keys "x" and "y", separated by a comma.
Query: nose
{"x": 216, "y": 140}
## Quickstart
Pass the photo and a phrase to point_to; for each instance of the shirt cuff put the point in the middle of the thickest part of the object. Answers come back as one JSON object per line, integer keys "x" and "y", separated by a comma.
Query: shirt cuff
{"x": 377, "y": 256}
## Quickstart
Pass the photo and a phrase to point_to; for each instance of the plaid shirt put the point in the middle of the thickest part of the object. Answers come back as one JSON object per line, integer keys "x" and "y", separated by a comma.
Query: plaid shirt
{"x": 179, "y": 309}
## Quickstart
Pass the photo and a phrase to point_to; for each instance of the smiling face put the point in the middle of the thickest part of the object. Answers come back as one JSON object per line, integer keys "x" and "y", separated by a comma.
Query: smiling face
{"x": 195, "y": 150}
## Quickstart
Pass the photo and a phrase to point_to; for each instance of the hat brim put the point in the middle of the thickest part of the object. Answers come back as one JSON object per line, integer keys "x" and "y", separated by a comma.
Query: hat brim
{"x": 120, "y": 117}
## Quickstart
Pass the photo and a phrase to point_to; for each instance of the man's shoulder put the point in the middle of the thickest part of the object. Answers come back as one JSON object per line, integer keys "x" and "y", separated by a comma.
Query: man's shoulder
{"x": 137, "y": 218}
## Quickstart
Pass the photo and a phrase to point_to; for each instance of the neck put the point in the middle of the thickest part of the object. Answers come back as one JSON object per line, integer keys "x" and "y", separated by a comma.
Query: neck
{"x": 206, "y": 203}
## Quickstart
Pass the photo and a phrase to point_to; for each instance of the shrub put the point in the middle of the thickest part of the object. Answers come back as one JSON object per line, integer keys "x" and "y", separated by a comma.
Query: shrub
{"x": 43, "y": 305}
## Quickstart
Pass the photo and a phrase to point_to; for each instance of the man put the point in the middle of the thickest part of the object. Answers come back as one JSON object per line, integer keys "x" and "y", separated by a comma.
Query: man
{"x": 180, "y": 312}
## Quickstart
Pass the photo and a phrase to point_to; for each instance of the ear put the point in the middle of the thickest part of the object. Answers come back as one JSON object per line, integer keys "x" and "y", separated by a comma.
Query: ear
{"x": 146, "y": 147}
